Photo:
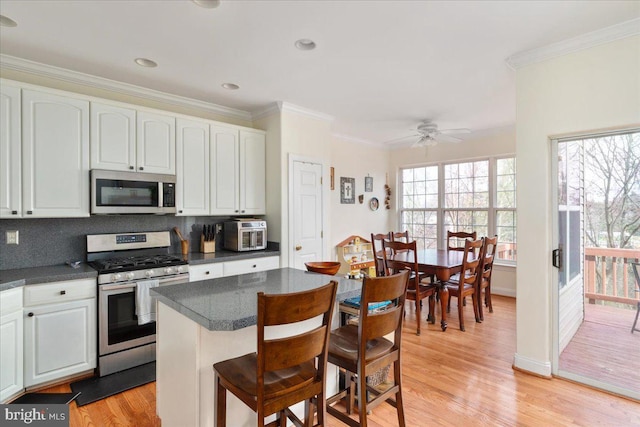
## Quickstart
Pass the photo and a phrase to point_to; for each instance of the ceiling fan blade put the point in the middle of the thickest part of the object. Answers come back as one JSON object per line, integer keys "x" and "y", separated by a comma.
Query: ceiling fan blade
{"x": 451, "y": 131}
{"x": 393, "y": 141}
{"x": 447, "y": 138}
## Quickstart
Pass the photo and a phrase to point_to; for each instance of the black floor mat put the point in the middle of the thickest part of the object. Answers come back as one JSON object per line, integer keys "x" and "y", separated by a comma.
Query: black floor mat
{"x": 96, "y": 388}
{"x": 46, "y": 398}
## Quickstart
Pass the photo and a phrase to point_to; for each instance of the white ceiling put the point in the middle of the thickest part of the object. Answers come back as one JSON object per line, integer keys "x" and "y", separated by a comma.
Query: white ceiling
{"x": 379, "y": 69}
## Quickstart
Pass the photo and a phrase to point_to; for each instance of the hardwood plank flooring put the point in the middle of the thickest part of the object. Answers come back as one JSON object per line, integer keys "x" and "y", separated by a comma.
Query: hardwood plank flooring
{"x": 450, "y": 379}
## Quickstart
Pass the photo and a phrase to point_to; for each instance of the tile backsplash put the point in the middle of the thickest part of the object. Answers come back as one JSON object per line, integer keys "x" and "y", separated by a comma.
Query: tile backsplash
{"x": 51, "y": 241}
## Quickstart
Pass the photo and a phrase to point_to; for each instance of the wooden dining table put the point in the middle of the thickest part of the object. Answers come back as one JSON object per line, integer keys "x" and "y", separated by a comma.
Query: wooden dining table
{"x": 442, "y": 264}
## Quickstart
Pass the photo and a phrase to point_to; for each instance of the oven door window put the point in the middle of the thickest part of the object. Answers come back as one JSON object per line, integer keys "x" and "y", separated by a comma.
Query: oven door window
{"x": 122, "y": 320}
{"x": 110, "y": 192}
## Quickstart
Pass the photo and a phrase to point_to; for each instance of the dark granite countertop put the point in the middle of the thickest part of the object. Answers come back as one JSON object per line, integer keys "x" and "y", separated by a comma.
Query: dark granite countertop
{"x": 54, "y": 273}
{"x": 230, "y": 303}
{"x": 223, "y": 256}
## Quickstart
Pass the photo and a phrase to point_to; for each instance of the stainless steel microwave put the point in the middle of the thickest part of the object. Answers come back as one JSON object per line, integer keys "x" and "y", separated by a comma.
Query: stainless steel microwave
{"x": 119, "y": 192}
{"x": 245, "y": 235}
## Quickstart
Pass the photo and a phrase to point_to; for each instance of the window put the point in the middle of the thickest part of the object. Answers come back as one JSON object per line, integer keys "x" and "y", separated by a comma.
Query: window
{"x": 474, "y": 195}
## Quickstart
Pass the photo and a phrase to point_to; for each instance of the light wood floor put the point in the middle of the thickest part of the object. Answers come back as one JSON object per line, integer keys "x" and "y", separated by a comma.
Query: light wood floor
{"x": 450, "y": 379}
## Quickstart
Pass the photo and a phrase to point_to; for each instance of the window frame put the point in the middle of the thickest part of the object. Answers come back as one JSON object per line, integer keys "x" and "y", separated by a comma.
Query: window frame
{"x": 492, "y": 210}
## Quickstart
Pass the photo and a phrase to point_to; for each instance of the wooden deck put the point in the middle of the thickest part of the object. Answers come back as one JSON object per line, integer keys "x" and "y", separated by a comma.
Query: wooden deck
{"x": 604, "y": 348}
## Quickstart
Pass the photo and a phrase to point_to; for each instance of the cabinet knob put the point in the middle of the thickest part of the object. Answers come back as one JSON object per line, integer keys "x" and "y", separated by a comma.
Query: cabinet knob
{"x": 243, "y": 211}
{"x": 131, "y": 167}
{"x": 30, "y": 314}
{"x": 29, "y": 212}
{"x": 180, "y": 211}
{"x": 236, "y": 210}
{"x": 206, "y": 272}
{"x": 298, "y": 247}
{"x": 141, "y": 168}
{"x": 63, "y": 292}
{"x": 254, "y": 266}
{"x": 14, "y": 212}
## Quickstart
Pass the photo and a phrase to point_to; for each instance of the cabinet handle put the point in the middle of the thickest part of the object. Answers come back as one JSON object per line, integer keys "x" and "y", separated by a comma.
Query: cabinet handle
{"x": 29, "y": 212}
{"x": 236, "y": 210}
{"x": 254, "y": 266}
{"x": 14, "y": 212}
{"x": 141, "y": 168}
{"x": 63, "y": 292}
{"x": 243, "y": 211}
{"x": 131, "y": 167}
{"x": 30, "y": 314}
{"x": 206, "y": 272}
{"x": 180, "y": 211}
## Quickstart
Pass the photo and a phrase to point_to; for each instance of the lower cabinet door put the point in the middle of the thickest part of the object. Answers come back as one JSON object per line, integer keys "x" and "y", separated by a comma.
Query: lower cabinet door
{"x": 10, "y": 354}
{"x": 60, "y": 340}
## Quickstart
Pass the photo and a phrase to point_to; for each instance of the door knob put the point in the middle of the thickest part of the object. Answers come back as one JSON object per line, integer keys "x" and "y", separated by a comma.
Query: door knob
{"x": 298, "y": 247}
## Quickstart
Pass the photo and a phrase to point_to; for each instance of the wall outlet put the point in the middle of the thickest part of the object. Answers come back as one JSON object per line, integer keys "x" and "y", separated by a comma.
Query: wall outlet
{"x": 12, "y": 237}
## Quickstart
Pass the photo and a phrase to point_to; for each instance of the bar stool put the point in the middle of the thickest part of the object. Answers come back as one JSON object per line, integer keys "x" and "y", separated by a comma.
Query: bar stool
{"x": 284, "y": 371}
{"x": 362, "y": 350}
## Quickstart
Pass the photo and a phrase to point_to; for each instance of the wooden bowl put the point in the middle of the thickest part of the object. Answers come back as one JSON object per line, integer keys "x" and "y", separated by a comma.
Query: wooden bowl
{"x": 323, "y": 267}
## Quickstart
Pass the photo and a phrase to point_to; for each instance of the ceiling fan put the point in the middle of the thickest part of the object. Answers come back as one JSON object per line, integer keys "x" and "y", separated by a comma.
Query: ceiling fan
{"x": 428, "y": 134}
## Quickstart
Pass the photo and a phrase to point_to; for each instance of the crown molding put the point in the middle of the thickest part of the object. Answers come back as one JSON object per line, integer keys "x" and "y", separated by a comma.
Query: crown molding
{"x": 265, "y": 112}
{"x": 23, "y": 65}
{"x": 287, "y": 107}
{"x": 575, "y": 44}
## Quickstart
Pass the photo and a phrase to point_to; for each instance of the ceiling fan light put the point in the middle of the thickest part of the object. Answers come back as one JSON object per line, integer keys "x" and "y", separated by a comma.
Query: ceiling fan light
{"x": 5, "y": 21}
{"x": 207, "y": 4}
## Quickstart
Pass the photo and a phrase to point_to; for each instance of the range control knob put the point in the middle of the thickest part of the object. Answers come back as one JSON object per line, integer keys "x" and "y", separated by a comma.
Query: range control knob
{"x": 169, "y": 270}
{"x": 130, "y": 276}
{"x": 116, "y": 277}
{"x": 180, "y": 269}
{"x": 148, "y": 273}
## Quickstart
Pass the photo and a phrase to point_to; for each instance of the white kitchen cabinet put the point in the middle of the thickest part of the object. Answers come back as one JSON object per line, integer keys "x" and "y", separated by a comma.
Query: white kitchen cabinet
{"x": 55, "y": 155}
{"x": 156, "y": 143}
{"x": 113, "y": 137}
{"x": 59, "y": 330}
{"x": 205, "y": 271}
{"x": 192, "y": 167}
{"x": 252, "y": 265}
{"x": 10, "y": 157}
{"x": 238, "y": 171}
{"x": 11, "y": 344}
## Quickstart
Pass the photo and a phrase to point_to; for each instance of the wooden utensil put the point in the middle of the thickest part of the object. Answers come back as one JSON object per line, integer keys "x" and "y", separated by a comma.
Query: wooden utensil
{"x": 177, "y": 230}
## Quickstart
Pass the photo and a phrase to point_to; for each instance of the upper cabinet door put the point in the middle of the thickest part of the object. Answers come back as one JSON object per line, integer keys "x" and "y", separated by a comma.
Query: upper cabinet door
{"x": 192, "y": 167}
{"x": 252, "y": 173}
{"x": 156, "y": 143}
{"x": 113, "y": 137}
{"x": 225, "y": 153}
{"x": 55, "y": 150}
{"x": 10, "y": 157}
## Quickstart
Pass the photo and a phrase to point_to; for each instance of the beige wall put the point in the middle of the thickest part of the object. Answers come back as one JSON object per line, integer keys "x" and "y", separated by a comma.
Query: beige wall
{"x": 494, "y": 142}
{"x": 590, "y": 90}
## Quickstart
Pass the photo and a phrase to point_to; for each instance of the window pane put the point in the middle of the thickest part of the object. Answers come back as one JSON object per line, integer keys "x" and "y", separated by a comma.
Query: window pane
{"x": 506, "y": 231}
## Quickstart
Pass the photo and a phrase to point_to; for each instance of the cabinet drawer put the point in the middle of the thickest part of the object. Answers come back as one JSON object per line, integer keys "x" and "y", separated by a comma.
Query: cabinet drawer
{"x": 232, "y": 268}
{"x": 55, "y": 292}
{"x": 205, "y": 271}
{"x": 10, "y": 300}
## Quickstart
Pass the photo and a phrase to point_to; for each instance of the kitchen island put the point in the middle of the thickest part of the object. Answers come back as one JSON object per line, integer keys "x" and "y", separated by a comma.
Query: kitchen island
{"x": 201, "y": 323}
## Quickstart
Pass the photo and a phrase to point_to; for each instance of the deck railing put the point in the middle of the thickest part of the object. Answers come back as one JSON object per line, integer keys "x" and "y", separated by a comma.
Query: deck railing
{"x": 608, "y": 275}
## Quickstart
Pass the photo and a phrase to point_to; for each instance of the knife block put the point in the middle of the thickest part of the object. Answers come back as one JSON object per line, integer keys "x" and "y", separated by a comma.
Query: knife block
{"x": 207, "y": 247}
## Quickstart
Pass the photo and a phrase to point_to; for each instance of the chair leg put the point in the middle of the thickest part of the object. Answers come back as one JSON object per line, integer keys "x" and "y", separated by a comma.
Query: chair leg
{"x": 460, "y": 314}
{"x": 362, "y": 399}
{"x": 476, "y": 305}
{"x": 487, "y": 298}
{"x": 432, "y": 310}
{"x": 418, "y": 312}
{"x": 397, "y": 377}
{"x": 633, "y": 328}
{"x": 221, "y": 405}
{"x": 480, "y": 309}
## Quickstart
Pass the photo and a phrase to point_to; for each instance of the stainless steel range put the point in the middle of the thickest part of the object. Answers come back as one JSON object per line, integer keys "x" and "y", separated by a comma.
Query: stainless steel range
{"x": 123, "y": 261}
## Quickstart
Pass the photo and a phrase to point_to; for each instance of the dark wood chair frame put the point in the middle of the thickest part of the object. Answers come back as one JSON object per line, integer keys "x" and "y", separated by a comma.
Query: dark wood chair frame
{"x": 418, "y": 289}
{"x": 377, "y": 251}
{"x": 286, "y": 370}
{"x": 459, "y": 235}
{"x": 487, "y": 257}
{"x": 466, "y": 284}
{"x": 361, "y": 350}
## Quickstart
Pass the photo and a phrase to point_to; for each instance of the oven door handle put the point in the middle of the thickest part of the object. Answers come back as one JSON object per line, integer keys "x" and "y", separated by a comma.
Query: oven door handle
{"x": 116, "y": 287}
{"x": 183, "y": 278}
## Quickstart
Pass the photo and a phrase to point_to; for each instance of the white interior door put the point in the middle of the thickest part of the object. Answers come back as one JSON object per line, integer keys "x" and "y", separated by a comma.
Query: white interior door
{"x": 307, "y": 237}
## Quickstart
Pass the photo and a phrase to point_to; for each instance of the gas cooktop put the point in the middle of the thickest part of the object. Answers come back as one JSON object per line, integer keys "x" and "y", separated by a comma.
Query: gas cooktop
{"x": 112, "y": 265}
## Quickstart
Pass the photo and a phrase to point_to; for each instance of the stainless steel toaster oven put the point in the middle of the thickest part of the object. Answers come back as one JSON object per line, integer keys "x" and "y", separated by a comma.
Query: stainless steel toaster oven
{"x": 245, "y": 235}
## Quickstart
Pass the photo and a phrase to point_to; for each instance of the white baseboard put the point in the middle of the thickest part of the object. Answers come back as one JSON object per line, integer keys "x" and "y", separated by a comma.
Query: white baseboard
{"x": 505, "y": 292}
{"x": 533, "y": 366}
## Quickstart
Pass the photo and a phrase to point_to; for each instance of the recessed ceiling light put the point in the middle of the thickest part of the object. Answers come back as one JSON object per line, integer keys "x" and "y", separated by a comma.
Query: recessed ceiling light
{"x": 207, "y": 4}
{"x": 7, "y": 22}
{"x": 305, "y": 44}
{"x": 144, "y": 62}
{"x": 230, "y": 86}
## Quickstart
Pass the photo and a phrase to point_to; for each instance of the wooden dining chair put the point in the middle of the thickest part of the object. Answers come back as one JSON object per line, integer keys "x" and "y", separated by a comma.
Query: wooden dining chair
{"x": 456, "y": 239}
{"x": 362, "y": 350}
{"x": 376, "y": 247}
{"x": 286, "y": 370}
{"x": 466, "y": 283}
{"x": 400, "y": 256}
{"x": 400, "y": 236}
{"x": 488, "y": 254}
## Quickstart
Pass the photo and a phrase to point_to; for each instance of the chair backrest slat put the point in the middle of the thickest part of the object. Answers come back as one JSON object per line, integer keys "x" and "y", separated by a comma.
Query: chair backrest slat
{"x": 376, "y": 247}
{"x": 454, "y": 239}
{"x": 400, "y": 256}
